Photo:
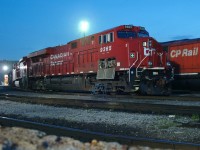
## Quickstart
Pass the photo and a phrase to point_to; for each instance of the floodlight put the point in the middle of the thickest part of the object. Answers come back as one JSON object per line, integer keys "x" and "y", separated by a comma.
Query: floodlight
{"x": 5, "y": 68}
{"x": 84, "y": 25}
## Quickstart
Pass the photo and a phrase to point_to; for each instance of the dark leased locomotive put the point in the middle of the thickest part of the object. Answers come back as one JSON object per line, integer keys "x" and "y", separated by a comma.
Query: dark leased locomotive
{"x": 121, "y": 59}
{"x": 184, "y": 56}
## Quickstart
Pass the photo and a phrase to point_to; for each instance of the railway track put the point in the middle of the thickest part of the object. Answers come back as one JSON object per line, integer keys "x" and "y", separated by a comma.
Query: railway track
{"x": 141, "y": 104}
{"x": 103, "y": 102}
{"x": 85, "y": 135}
{"x": 180, "y": 95}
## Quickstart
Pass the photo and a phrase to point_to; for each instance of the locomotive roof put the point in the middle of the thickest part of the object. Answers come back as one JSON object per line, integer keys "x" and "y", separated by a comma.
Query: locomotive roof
{"x": 40, "y": 52}
{"x": 44, "y": 51}
{"x": 108, "y": 30}
{"x": 49, "y": 49}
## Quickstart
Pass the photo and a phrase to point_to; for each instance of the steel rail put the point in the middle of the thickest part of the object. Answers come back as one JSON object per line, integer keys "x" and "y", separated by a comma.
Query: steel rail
{"x": 179, "y": 95}
{"x": 118, "y": 105}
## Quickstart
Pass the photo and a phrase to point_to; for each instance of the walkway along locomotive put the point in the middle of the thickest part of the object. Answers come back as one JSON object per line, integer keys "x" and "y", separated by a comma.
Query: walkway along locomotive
{"x": 121, "y": 59}
{"x": 184, "y": 56}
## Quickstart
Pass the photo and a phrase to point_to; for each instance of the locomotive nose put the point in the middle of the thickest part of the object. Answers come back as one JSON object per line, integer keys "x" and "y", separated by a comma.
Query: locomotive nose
{"x": 153, "y": 52}
{"x": 148, "y": 42}
{"x": 149, "y": 47}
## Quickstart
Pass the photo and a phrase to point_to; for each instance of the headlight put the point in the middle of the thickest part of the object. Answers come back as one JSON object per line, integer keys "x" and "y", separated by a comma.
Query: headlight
{"x": 150, "y": 43}
{"x": 168, "y": 64}
{"x": 144, "y": 44}
{"x": 150, "y": 63}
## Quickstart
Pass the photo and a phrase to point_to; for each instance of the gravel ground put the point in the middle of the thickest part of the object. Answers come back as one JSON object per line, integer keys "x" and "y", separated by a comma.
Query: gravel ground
{"x": 24, "y": 139}
{"x": 135, "y": 124}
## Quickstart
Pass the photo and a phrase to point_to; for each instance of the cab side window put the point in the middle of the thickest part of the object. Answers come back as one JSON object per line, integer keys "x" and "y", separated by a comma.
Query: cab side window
{"x": 106, "y": 38}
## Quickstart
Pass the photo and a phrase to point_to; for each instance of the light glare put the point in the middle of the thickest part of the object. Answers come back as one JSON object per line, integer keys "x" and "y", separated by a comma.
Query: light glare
{"x": 5, "y": 68}
{"x": 84, "y": 26}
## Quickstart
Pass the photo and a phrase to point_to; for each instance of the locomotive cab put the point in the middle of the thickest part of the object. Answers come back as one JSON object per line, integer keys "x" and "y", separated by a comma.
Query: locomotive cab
{"x": 148, "y": 70}
{"x": 138, "y": 59}
{"x": 147, "y": 64}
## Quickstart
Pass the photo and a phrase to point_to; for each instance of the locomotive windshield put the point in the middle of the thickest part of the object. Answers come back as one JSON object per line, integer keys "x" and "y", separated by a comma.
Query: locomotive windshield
{"x": 143, "y": 33}
{"x": 126, "y": 34}
{"x": 132, "y": 34}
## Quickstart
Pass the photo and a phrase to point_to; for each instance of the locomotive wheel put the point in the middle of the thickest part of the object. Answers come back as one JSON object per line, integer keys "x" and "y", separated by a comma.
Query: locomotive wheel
{"x": 101, "y": 88}
{"x": 149, "y": 88}
{"x": 143, "y": 88}
{"x": 23, "y": 83}
{"x": 98, "y": 88}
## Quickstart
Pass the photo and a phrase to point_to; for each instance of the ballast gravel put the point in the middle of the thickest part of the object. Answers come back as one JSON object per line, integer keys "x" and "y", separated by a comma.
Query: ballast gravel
{"x": 25, "y": 139}
{"x": 36, "y": 140}
{"x": 169, "y": 127}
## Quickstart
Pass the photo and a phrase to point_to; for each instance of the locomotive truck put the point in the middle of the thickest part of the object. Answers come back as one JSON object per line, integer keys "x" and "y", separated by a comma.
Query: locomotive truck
{"x": 184, "y": 56}
{"x": 121, "y": 59}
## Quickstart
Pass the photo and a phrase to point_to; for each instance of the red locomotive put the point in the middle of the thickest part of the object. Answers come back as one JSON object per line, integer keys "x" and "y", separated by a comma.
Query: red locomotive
{"x": 184, "y": 56}
{"x": 121, "y": 59}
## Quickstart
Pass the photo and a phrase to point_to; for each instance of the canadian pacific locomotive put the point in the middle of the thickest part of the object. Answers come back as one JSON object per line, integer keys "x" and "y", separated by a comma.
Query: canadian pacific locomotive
{"x": 121, "y": 59}
{"x": 184, "y": 56}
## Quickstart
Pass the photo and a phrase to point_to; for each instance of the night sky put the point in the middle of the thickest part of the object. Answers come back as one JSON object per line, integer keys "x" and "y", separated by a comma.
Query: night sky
{"x": 30, "y": 25}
